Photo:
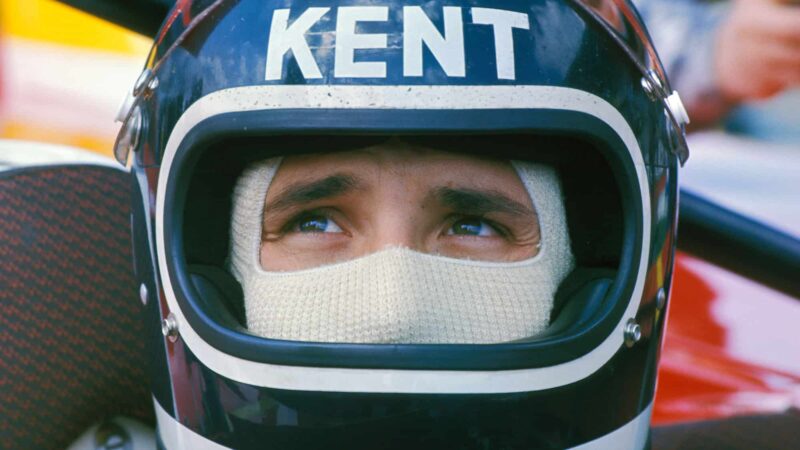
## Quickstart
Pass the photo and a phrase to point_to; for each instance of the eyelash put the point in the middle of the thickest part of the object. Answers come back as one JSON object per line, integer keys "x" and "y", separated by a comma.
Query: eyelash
{"x": 295, "y": 221}
{"x": 500, "y": 229}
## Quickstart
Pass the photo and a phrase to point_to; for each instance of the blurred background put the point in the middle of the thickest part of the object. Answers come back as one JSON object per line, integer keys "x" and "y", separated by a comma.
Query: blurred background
{"x": 736, "y": 64}
{"x": 63, "y": 74}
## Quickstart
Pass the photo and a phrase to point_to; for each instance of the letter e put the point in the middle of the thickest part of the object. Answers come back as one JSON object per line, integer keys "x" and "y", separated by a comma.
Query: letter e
{"x": 347, "y": 41}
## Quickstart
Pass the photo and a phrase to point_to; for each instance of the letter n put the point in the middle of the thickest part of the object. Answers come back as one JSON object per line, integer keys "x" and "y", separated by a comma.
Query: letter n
{"x": 448, "y": 49}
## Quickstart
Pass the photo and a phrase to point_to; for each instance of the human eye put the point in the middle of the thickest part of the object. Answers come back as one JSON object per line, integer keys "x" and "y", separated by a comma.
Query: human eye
{"x": 472, "y": 226}
{"x": 315, "y": 223}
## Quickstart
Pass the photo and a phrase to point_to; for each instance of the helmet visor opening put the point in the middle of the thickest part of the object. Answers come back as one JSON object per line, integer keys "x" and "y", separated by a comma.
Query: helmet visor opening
{"x": 599, "y": 199}
{"x": 590, "y": 200}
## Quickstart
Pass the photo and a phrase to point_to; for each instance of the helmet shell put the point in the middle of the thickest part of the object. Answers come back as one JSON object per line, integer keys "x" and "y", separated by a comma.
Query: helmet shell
{"x": 546, "y": 67}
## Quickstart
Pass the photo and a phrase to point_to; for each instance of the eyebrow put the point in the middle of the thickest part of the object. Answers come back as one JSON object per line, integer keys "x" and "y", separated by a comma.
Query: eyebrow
{"x": 470, "y": 201}
{"x": 306, "y": 192}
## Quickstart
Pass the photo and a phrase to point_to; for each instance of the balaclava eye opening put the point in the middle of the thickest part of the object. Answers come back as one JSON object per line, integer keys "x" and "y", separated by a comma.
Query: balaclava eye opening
{"x": 398, "y": 295}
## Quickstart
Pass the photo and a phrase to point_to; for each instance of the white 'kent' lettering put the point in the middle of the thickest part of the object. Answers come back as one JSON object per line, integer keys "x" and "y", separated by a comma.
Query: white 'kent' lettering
{"x": 503, "y": 22}
{"x": 284, "y": 37}
{"x": 448, "y": 49}
{"x": 419, "y": 31}
{"x": 348, "y": 41}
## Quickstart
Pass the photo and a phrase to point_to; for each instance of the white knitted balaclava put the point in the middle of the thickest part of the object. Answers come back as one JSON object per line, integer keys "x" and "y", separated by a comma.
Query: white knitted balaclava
{"x": 399, "y": 295}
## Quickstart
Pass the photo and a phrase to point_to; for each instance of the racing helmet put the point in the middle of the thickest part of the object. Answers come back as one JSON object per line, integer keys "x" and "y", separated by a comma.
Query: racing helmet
{"x": 573, "y": 86}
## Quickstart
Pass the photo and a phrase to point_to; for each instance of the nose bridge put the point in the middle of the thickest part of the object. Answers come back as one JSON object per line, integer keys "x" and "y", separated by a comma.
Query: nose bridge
{"x": 395, "y": 219}
{"x": 394, "y": 229}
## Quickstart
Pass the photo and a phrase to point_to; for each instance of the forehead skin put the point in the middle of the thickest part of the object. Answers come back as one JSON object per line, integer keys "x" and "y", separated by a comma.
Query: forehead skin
{"x": 403, "y": 169}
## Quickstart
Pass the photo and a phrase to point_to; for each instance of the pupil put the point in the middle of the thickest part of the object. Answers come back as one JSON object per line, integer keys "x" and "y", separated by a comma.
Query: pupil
{"x": 314, "y": 224}
{"x": 471, "y": 227}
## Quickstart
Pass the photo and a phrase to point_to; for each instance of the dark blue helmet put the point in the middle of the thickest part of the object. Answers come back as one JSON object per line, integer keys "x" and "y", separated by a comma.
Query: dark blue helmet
{"x": 575, "y": 84}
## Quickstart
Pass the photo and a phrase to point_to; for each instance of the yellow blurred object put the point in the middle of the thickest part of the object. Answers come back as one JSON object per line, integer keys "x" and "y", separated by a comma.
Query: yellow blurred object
{"x": 41, "y": 133}
{"x": 48, "y": 20}
{"x": 96, "y": 64}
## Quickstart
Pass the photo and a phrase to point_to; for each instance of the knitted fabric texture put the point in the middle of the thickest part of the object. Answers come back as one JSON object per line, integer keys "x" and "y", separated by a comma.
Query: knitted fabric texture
{"x": 399, "y": 295}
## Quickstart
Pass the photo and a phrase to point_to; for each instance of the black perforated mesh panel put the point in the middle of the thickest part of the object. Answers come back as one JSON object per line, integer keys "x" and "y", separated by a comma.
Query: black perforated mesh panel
{"x": 71, "y": 351}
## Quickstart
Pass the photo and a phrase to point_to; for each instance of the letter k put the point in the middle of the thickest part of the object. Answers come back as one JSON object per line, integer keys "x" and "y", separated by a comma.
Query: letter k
{"x": 284, "y": 37}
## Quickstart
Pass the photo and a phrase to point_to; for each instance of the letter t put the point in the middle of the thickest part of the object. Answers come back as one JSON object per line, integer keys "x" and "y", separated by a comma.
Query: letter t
{"x": 503, "y": 22}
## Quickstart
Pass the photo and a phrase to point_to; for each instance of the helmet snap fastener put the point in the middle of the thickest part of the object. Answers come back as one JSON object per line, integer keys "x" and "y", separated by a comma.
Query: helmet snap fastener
{"x": 143, "y": 294}
{"x": 661, "y": 299}
{"x": 169, "y": 328}
{"x": 128, "y": 139}
{"x": 675, "y": 105}
{"x": 633, "y": 333}
{"x": 652, "y": 85}
{"x": 153, "y": 84}
{"x": 140, "y": 84}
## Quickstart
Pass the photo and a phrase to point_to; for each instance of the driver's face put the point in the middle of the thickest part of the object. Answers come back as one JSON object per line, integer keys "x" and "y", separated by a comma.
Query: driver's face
{"x": 327, "y": 208}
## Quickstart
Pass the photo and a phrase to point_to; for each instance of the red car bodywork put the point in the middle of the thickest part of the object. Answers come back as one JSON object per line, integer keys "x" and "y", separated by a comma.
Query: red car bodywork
{"x": 730, "y": 347}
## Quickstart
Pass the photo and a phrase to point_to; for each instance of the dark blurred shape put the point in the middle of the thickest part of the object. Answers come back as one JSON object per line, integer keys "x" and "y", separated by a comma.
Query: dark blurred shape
{"x": 739, "y": 243}
{"x": 141, "y": 16}
{"x": 71, "y": 346}
{"x": 764, "y": 432}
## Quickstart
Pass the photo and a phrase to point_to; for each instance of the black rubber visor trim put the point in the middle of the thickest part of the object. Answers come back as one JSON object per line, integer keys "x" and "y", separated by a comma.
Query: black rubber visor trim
{"x": 548, "y": 351}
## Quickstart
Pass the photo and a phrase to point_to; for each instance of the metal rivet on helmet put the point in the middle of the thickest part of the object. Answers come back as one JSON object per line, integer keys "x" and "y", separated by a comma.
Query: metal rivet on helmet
{"x": 143, "y": 294}
{"x": 652, "y": 85}
{"x": 169, "y": 328}
{"x": 633, "y": 333}
{"x": 661, "y": 299}
{"x": 141, "y": 82}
